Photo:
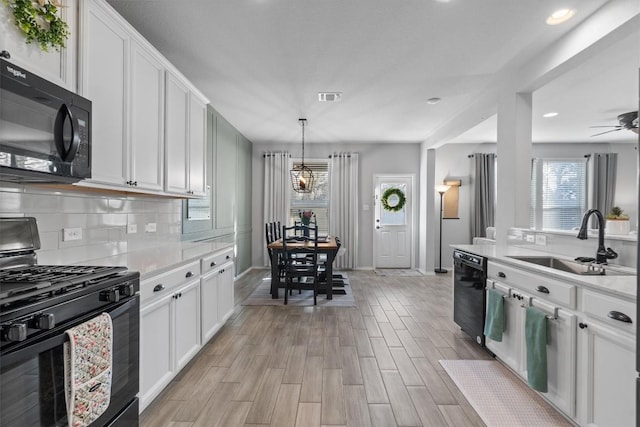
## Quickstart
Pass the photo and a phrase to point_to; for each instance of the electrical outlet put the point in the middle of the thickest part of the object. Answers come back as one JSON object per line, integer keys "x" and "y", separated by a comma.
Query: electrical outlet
{"x": 531, "y": 238}
{"x": 541, "y": 239}
{"x": 69, "y": 234}
{"x": 132, "y": 228}
{"x": 150, "y": 227}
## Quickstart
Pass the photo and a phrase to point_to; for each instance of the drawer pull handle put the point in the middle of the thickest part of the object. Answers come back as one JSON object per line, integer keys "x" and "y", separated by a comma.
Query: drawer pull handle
{"x": 616, "y": 315}
{"x": 158, "y": 288}
{"x": 189, "y": 274}
{"x": 582, "y": 325}
{"x": 213, "y": 264}
{"x": 501, "y": 274}
{"x": 542, "y": 289}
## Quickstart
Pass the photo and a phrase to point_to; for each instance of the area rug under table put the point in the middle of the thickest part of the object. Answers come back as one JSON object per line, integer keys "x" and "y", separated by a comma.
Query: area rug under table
{"x": 499, "y": 397}
{"x": 262, "y": 296}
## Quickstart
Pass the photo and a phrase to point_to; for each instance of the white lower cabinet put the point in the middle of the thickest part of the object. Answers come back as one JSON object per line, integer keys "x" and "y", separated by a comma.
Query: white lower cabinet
{"x": 216, "y": 302}
{"x": 187, "y": 323}
{"x": 607, "y": 377}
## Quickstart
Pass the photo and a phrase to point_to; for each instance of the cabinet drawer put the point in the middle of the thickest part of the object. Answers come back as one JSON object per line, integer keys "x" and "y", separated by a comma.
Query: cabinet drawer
{"x": 216, "y": 259}
{"x": 164, "y": 283}
{"x": 607, "y": 309}
{"x": 538, "y": 286}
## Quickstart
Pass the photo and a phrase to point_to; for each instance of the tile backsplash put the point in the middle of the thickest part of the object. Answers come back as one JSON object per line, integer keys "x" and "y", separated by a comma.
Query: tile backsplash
{"x": 102, "y": 217}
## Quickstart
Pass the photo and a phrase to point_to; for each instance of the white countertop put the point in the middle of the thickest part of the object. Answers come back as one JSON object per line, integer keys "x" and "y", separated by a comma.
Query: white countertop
{"x": 161, "y": 257}
{"x": 621, "y": 286}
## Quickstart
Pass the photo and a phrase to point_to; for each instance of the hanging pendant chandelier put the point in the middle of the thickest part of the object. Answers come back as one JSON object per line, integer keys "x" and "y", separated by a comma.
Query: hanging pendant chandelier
{"x": 302, "y": 178}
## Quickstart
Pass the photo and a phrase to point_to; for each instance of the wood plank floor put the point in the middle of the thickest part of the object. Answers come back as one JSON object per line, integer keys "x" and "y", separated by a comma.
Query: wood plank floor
{"x": 375, "y": 364}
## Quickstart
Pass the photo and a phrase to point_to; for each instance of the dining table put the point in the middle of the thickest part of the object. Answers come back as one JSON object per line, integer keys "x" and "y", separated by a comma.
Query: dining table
{"x": 328, "y": 246}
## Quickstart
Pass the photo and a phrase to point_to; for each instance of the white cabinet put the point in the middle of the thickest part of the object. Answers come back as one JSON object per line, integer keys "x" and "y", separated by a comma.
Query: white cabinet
{"x": 185, "y": 138}
{"x": 606, "y": 363}
{"x": 561, "y": 332}
{"x": 169, "y": 327}
{"x": 56, "y": 66}
{"x": 123, "y": 76}
{"x": 217, "y": 296}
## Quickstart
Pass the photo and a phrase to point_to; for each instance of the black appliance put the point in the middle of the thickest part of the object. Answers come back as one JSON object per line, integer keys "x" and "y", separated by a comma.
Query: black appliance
{"x": 469, "y": 281}
{"x": 38, "y": 303}
{"x": 45, "y": 130}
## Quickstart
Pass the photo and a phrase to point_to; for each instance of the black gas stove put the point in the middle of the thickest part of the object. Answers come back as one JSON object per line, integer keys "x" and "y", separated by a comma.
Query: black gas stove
{"x": 38, "y": 303}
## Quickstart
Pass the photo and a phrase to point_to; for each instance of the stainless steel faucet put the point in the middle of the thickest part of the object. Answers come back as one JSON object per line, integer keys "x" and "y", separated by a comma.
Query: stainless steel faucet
{"x": 602, "y": 254}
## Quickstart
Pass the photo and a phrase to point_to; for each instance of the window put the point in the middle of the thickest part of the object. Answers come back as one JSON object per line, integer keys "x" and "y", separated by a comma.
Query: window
{"x": 316, "y": 201}
{"x": 558, "y": 193}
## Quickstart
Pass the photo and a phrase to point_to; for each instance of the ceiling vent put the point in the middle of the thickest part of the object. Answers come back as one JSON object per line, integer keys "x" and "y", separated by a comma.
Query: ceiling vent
{"x": 329, "y": 96}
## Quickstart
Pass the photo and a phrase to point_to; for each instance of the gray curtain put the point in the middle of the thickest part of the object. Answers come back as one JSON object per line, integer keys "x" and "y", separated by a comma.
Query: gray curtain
{"x": 484, "y": 193}
{"x": 343, "y": 214}
{"x": 605, "y": 168}
{"x": 277, "y": 186}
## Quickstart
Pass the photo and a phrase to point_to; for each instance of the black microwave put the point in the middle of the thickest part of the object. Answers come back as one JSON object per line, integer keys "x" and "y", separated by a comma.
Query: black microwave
{"x": 45, "y": 130}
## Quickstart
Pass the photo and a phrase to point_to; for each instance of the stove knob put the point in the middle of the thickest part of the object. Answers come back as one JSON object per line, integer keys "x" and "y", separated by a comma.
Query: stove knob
{"x": 15, "y": 332}
{"x": 112, "y": 295}
{"x": 127, "y": 290}
{"x": 46, "y": 321}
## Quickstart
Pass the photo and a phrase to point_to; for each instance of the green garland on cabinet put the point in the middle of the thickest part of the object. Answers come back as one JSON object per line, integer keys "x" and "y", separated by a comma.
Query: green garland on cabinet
{"x": 385, "y": 199}
{"x": 39, "y": 22}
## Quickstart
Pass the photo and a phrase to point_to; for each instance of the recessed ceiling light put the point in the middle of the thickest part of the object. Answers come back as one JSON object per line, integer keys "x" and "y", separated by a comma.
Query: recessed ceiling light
{"x": 560, "y": 16}
{"x": 552, "y": 114}
{"x": 433, "y": 100}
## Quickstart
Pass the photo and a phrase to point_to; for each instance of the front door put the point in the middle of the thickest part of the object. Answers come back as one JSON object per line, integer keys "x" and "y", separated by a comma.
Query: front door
{"x": 393, "y": 221}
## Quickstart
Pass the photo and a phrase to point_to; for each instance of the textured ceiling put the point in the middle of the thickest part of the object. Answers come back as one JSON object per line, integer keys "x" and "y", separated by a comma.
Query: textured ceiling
{"x": 262, "y": 62}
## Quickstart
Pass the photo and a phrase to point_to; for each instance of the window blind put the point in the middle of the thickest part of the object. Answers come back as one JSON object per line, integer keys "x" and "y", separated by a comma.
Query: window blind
{"x": 316, "y": 201}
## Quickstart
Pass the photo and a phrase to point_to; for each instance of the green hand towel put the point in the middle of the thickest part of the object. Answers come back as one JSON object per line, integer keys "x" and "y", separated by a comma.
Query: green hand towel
{"x": 535, "y": 328}
{"x": 494, "y": 321}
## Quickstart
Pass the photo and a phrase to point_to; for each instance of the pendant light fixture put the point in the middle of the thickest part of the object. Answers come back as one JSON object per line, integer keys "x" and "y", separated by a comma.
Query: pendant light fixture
{"x": 302, "y": 177}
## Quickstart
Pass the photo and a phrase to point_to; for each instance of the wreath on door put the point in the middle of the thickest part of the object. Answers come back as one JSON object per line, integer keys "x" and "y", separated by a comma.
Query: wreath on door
{"x": 393, "y": 199}
{"x": 39, "y": 21}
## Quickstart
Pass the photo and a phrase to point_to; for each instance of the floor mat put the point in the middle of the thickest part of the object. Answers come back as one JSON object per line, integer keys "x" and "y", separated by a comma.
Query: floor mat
{"x": 262, "y": 296}
{"x": 499, "y": 397}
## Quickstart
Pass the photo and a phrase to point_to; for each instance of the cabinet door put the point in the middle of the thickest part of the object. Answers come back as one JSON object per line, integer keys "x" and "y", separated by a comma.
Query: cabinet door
{"x": 561, "y": 357}
{"x": 209, "y": 305}
{"x": 156, "y": 360}
{"x": 511, "y": 349}
{"x": 104, "y": 80}
{"x": 608, "y": 369}
{"x": 226, "y": 301}
{"x": 225, "y": 175}
{"x": 197, "y": 146}
{"x": 147, "y": 119}
{"x": 176, "y": 143}
{"x": 187, "y": 322}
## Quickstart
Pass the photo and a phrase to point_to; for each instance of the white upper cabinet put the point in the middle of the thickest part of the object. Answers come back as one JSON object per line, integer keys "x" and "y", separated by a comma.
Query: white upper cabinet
{"x": 147, "y": 119}
{"x": 104, "y": 80}
{"x": 56, "y": 66}
{"x": 140, "y": 103}
{"x": 185, "y": 138}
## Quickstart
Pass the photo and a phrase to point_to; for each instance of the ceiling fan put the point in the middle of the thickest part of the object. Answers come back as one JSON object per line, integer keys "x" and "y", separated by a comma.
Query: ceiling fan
{"x": 627, "y": 121}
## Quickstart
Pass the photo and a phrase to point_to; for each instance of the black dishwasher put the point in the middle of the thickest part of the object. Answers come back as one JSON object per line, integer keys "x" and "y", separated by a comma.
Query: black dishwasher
{"x": 469, "y": 280}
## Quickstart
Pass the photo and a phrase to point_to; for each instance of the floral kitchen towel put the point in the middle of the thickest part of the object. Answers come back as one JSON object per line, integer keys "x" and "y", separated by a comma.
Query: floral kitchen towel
{"x": 88, "y": 369}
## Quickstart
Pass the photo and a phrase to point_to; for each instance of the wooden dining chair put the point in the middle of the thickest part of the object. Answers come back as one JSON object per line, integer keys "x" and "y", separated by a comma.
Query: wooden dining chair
{"x": 301, "y": 266}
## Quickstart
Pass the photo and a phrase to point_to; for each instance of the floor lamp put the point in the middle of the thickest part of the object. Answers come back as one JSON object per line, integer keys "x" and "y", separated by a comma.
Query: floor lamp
{"x": 441, "y": 189}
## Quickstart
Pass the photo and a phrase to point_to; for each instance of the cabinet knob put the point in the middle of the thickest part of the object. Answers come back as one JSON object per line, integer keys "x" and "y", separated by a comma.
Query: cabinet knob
{"x": 542, "y": 289}
{"x": 228, "y": 256}
{"x": 621, "y": 317}
{"x": 189, "y": 274}
{"x": 501, "y": 274}
{"x": 5, "y": 54}
{"x": 213, "y": 264}
{"x": 582, "y": 325}
{"x": 158, "y": 288}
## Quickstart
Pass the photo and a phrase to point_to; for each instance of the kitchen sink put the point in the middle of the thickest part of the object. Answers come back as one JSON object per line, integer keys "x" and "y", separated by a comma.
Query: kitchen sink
{"x": 590, "y": 269}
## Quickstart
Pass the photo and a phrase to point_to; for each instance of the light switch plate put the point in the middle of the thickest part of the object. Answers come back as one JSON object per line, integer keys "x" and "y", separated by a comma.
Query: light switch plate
{"x": 150, "y": 227}
{"x": 541, "y": 239}
{"x": 69, "y": 234}
{"x": 132, "y": 228}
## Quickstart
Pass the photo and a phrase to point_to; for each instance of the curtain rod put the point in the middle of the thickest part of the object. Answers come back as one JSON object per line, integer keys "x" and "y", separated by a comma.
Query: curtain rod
{"x": 339, "y": 155}
{"x": 473, "y": 155}
{"x": 275, "y": 154}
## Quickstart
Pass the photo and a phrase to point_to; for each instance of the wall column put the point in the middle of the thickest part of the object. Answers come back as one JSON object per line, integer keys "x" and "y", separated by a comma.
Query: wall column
{"x": 514, "y": 163}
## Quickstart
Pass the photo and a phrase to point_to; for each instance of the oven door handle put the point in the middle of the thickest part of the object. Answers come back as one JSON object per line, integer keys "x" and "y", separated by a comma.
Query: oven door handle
{"x": 56, "y": 337}
{"x": 66, "y": 154}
